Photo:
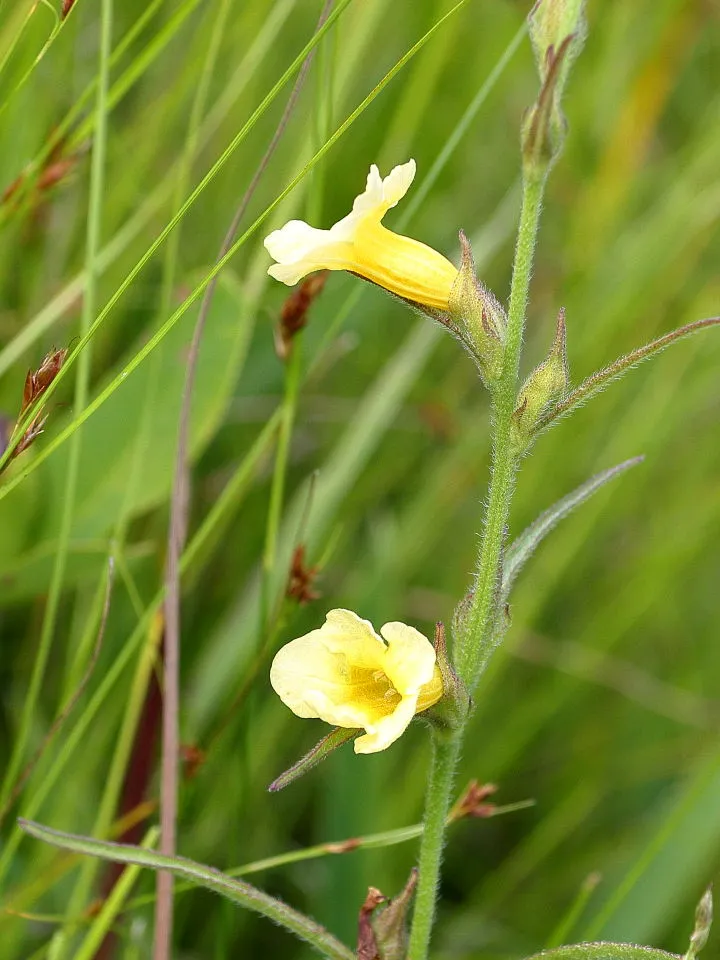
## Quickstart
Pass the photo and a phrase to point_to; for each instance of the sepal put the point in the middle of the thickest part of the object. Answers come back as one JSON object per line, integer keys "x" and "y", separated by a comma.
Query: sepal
{"x": 336, "y": 738}
{"x": 548, "y": 383}
{"x": 557, "y": 30}
{"x": 480, "y": 318}
{"x": 550, "y": 23}
{"x": 450, "y": 712}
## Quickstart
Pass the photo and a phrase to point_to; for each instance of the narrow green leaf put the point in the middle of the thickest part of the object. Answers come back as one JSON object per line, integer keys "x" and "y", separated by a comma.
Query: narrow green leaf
{"x": 336, "y": 738}
{"x": 236, "y": 890}
{"x": 603, "y": 951}
{"x": 524, "y": 546}
{"x": 597, "y": 382}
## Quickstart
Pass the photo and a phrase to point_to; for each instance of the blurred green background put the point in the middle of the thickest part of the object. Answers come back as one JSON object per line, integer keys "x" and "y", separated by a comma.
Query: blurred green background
{"x": 603, "y": 704}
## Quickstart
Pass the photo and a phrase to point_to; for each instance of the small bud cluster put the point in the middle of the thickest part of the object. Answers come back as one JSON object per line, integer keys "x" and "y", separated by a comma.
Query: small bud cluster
{"x": 301, "y": 581}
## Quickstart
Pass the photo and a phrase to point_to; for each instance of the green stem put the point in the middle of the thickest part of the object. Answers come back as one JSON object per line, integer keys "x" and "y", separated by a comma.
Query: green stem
{"x": 437, "y": 807}
{"x": 477, "y": 640}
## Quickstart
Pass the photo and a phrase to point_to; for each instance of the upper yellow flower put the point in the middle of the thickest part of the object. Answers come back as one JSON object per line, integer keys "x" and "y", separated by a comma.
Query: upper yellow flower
{"x": 359, "y": 243}
{"x": 347, "y": 675}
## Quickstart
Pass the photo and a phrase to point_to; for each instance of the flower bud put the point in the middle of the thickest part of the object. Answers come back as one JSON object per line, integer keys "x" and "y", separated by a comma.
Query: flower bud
{"x": 550, "y": 22}
{"x": 703, "y": 923}
{"x": 481, "y": 321}
{"x": 547, "y": 383}
{"x": 557, "y": 30}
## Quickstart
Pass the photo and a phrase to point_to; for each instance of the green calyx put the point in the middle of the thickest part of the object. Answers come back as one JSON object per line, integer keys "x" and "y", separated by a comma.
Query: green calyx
{"x": 479, "y": 317}
{"x": 450, "y": 713}
{"x": 547, "y": 384}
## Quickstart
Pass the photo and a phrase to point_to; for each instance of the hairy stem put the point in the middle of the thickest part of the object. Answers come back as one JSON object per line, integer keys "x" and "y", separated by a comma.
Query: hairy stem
{"x": 478, "y": 636}
{"x": 476, "y": 642}
{"x": 437, "y": 806}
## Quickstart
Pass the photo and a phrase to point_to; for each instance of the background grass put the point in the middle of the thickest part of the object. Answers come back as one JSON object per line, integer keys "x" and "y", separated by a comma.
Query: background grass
{"x": 603, "y": 705}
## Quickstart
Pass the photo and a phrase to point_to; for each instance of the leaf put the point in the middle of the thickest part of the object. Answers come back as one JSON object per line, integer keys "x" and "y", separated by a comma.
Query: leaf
{"x": 238, "y": 891}
{"x": 336, "y": 738}
{"x": 603, "y": 951}
{"x": 525, "y": 545}
{"x": 598, "y": 381}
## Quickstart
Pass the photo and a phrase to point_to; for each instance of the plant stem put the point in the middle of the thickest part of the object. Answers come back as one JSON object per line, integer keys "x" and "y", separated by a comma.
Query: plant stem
{"x": 478, "y": 639}
{"x": 478, "y": 636}
{"x": 437, "y": 806}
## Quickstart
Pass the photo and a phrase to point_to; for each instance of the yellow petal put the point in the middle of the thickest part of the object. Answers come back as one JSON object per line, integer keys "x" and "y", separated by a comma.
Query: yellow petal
{"x": 410, "y": 658}
{"x": 301, "y": 249}
{"x": 347, "y": 633}
{"x": 380, "y": 735}
{"x": 404, "y": 266}
{"x": 325, "y": 673}
{"x": 382, "y": 194}
{"x": 311, "y": 680}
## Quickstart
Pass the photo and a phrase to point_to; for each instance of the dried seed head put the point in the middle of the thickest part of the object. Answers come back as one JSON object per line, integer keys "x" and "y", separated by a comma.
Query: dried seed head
{"x": 301, "y": 581}
{"x": 294, "y": 313}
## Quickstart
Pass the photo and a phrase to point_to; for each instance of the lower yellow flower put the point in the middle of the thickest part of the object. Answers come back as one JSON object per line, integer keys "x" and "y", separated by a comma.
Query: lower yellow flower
{"x": 359, "y": 243}
{"x": 347, "y": 675}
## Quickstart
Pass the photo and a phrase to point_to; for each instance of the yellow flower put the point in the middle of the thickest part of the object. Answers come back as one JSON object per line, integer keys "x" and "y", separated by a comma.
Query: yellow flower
{"x": 359, "y": 243}
{"x": 347, "y": 675}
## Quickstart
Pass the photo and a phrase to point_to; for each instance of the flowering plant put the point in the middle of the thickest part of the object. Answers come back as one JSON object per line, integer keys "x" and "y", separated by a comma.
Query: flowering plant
{"x": 371, "y": 686}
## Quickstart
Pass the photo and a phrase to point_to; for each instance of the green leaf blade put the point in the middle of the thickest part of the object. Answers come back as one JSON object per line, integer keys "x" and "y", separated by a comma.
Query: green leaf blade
{"x": 527, "y": 542}
{"x": 603, "y": 951}
{"x": 238, "y": 891}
